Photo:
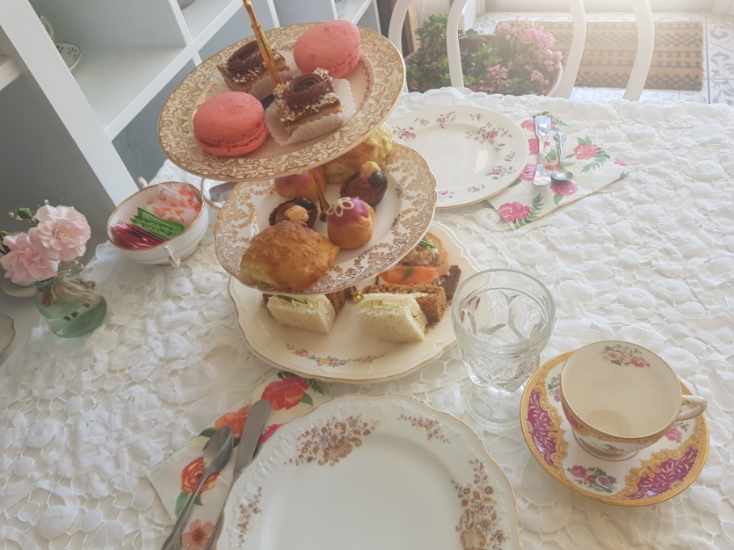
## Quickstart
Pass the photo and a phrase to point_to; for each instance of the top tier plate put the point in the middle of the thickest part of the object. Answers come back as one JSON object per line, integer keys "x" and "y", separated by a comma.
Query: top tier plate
{"x": 376, "y": 85}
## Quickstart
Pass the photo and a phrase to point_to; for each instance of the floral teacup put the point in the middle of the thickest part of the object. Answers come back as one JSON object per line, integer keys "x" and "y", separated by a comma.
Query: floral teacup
{"x": 620, "y": 398}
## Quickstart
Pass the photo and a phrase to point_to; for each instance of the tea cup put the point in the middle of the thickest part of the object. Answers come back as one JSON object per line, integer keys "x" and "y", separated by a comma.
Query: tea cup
{"x": 620, "y": 398}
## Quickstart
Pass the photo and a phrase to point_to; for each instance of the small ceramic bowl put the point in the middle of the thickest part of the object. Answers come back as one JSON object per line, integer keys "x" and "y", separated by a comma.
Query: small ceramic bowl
{"x": 168, "y": 252}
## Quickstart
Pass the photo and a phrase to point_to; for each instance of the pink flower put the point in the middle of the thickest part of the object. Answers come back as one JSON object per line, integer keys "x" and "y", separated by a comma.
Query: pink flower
{"x": 534, "y": 146}
{"x": 673, "y": 434}
{"x": 565, "y": 188}
{"x": 585, "y": 151}
{"x": 528, "y": 124}
{"x": 197, "y": 537}
{"x": 528, "y": 174}
{"x": 63, "y": 231}
{"x": 578, "y": 471}
{"x": 28, "y": 261}
{"x": 514, "y": 211}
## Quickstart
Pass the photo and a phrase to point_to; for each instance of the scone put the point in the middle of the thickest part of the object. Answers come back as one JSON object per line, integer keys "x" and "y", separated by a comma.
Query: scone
{"x": 287, "y": 256}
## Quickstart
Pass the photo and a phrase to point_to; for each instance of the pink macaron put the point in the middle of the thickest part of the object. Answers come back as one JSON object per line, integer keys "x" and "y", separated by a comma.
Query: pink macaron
{"x": 334, "y": 46}
{"x": 231, "y": 124}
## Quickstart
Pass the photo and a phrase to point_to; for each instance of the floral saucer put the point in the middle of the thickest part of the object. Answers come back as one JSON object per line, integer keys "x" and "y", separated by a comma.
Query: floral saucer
{"x": 474, "y": 153}
{"x": 654, "y": 475}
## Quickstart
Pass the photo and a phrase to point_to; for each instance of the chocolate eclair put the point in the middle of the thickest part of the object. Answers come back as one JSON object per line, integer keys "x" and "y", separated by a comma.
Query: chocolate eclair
{"x": 306, "y": 98}
{"x": 245, "y": 71}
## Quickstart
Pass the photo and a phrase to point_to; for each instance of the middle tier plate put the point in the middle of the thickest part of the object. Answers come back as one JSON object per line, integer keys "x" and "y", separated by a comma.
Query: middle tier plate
{"x": 401, "y": 220}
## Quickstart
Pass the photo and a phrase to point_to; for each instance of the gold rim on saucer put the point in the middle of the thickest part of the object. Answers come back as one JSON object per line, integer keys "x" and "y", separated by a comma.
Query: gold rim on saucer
{"x": 642, "y": 480}
{"x": 378, "y": 83}
{"x": 411, "y": 196}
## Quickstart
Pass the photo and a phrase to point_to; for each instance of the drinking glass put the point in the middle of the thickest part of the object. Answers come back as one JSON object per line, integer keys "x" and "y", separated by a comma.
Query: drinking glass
{"x": 502, "y": 319}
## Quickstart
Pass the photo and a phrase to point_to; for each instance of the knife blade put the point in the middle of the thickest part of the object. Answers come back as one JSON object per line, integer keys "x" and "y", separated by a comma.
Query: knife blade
{"x": 244, "y": 453}
{"x": 254, "y": 426}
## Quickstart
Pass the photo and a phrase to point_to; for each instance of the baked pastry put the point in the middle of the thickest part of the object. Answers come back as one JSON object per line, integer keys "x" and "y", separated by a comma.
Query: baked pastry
{"x": 369, "y": 185}
{"x": 245, "y": 71}
{"x": 307, "y": 185}
{"x": 376, "y": 148}
{"x": 334, "y": 46}
{"x": 430, "y": 298}
{"x": 315, "y": 313}
{"x": 296, "y": 210}
{"x": 231, "y": 124}
{"x": 287, "y": 256}
{"x": 350, "y": 222}
{"x": 309, "y": 106}
{"x": 392, "y": 317}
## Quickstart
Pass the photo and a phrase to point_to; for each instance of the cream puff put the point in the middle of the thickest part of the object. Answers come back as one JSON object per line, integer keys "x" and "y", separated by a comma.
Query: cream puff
{"x": 350, "y": 222}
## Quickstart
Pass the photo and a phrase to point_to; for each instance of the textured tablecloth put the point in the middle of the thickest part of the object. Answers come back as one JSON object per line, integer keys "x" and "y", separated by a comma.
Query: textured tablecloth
{"x": 650, "y": 259}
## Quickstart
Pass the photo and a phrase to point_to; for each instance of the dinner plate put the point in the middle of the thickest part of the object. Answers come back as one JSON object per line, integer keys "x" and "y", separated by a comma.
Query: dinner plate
{"x": 653, "y": 475}
{"x": 346, "y": 354}
{"x": 369, "y": 473}
{"x": 376, "y": 85}
{"x": 401, "y": 219}
{"x": 474, "y": 153}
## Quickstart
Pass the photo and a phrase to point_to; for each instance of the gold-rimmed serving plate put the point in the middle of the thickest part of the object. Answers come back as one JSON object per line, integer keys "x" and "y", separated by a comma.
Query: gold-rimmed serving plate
{"x": 376, "y": 85}
{"x": 654, "y": 475}
{"x": 401, "y": 220}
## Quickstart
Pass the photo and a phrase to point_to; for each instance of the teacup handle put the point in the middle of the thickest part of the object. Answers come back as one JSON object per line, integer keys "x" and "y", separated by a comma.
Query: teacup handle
{"x": 691, "y": 407}
{"x": 172, "y": 258}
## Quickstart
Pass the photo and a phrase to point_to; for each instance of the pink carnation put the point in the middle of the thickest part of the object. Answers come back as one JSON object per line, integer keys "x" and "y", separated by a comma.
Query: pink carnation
{"x": 565, "y": 188}
{"x": 514, "y": 211}
{"x": 28, "y": 261}
{"x": 63, "y": 231}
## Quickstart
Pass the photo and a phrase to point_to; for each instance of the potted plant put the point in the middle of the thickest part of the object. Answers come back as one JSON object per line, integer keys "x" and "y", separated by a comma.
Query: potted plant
{"x": 518, "y": 59}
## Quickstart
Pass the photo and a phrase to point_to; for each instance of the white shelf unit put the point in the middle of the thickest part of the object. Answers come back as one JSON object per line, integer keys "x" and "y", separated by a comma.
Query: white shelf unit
{"x": 102, "y": 118}
{"x": 359, "y": 12}
{"x": 9, "y": 70}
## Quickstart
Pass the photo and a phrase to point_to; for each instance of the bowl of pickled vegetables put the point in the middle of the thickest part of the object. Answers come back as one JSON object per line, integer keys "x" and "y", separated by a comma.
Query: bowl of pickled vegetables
{"x": 161, "y": 224}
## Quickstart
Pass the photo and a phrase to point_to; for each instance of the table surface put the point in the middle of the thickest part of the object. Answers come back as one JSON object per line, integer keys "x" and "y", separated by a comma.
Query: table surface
{"x": 650, "y": 259}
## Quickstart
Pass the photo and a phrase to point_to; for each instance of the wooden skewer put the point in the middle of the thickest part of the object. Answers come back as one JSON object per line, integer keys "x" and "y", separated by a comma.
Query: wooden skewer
{"x": 262, "y": 43}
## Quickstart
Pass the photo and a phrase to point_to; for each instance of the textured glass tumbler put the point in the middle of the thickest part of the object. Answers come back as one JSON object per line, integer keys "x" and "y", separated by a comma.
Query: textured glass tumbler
{"x": 502, "y": 319}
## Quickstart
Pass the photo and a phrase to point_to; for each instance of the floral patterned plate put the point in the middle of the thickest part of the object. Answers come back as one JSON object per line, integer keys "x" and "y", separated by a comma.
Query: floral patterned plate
{"x": 474, "y": 153}
{"x": 345, "y": 354}
{"x": 367, "y": 473}
{"x": 401, "y": 220}
{"x": 654, "y": 475}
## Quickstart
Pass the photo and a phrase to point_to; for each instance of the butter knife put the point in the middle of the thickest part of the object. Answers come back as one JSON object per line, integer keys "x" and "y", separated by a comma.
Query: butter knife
{"x": 244, "y": 453}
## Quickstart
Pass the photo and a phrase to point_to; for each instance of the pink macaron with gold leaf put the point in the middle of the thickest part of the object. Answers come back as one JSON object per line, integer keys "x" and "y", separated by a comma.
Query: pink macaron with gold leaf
{"x": 334, "y": 46}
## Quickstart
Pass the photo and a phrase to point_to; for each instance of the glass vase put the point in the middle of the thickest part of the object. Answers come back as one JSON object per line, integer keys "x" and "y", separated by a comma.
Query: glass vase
{"x": 70, "y": 305}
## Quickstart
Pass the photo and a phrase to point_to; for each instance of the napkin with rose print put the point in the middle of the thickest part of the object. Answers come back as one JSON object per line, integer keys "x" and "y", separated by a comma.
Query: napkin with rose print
{"x": 523, "y": 203}
{"x": 290, "y": 397}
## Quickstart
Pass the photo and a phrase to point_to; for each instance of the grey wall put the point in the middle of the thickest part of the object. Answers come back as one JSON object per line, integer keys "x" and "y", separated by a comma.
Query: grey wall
{"x": 138, "y": 143}
{"x": 39, "y": 160}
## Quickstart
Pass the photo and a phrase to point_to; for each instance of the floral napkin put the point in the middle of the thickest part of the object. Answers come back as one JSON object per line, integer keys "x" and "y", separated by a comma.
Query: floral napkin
{"x": 290, "y": 397}
{"x": 523, "y": 203}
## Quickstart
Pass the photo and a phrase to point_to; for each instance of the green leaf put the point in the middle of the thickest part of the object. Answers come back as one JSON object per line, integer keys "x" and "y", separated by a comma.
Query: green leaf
{"x": 557, "y": 199}
{"x": 180, "y": 502}
{"x": 316, "y": 386}
{"x": 307, "y": 399}
{"x": 207, "y": 432}
{"x": 585, "y": 141}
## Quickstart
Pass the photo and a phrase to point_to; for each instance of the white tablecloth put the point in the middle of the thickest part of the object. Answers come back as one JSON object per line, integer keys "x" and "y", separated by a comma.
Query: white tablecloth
{"x": 650, "y": 259}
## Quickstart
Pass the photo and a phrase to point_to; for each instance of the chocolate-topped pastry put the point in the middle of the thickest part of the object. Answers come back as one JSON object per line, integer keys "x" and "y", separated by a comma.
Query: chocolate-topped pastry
{"x": 369, "y": 185}
{"x": 306, "y": 98}
{"x": 245, "y": 71}
{"x": 297, "y": 210}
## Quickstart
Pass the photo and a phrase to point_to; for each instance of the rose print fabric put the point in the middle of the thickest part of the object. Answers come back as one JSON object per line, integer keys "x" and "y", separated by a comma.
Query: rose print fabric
{"x": 523, "y": 203}
{"x": 290, "y": 397}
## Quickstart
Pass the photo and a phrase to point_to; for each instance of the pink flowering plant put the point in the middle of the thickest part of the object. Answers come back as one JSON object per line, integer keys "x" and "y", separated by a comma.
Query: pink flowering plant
{"x": 527, "y": 62}
{"x": 56, "y": 239}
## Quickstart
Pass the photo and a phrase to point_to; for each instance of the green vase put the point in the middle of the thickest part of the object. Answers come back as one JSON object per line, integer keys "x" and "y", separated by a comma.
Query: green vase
{"x": 70, "y": 306}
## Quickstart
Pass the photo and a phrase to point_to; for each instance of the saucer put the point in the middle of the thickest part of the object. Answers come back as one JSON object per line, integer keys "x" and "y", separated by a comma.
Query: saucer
{"x": 654, "y": 475}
